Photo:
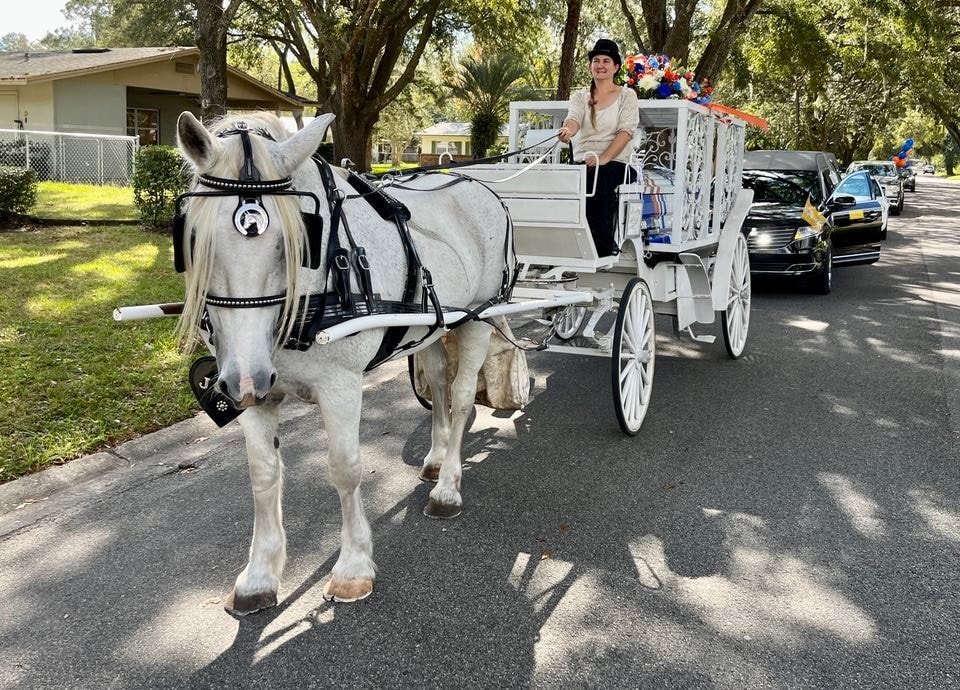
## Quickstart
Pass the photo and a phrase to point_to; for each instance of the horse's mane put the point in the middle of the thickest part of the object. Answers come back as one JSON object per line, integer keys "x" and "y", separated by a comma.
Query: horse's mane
{"x": 204, "y": 224}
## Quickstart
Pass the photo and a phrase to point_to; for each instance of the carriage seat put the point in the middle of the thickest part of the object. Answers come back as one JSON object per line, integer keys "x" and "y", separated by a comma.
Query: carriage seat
{"x": 548, "y": 207}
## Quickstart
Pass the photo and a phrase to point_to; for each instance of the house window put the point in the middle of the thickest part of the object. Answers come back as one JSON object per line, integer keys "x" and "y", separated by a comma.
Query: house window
{"x": 144, "y": 124}
{"x": 451, "y": 147}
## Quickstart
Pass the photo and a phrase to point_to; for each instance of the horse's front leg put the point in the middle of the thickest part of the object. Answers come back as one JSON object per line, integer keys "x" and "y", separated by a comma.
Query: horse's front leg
{"x": 354, "y": 572}
{"x": 474, "y": 342}
{"x": 433, "y": 359}
{"x": 257, "y": 585}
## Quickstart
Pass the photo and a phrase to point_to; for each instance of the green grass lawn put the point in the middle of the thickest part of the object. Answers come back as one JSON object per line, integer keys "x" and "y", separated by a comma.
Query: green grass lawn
{"x": 71, "y": 379}
{"x": 68, "y": 201}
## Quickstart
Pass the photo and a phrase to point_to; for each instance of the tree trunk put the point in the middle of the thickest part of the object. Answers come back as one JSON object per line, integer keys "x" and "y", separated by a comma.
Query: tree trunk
{"x": 677, "y": 42}
{"x": 657, "y": 23}
{"x": 212, "y": 43}
{"x": 796, "y": 112}
{"x": 948, "y": 160}
{"x": 571, "y": 29}
{"x": 352, "y": 130}
{"x": 736, "y": 16}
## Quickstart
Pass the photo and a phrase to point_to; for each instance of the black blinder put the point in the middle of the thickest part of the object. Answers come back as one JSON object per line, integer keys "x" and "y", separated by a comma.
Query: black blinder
{"x": 177, "y": 229}
{"x": 313, "y": 226}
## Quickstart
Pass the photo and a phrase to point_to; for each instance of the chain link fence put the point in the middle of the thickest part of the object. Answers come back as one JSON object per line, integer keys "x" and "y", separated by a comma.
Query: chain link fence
{"x": 88, "y": 158}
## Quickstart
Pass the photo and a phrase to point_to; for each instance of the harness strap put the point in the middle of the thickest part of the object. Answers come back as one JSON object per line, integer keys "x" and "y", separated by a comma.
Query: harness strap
{"x": 249, "y": 172}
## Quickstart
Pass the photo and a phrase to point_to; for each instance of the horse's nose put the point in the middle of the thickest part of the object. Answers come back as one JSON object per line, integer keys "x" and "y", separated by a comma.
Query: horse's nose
{"x": 249, "y": 389}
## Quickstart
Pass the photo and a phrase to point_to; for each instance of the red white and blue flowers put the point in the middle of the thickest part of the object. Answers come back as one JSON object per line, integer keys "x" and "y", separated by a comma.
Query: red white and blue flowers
{"x": 656, "y": 76}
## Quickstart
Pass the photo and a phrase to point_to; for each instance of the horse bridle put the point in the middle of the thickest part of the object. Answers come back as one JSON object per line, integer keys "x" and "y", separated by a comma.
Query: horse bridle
{"x": 250, "y": 218}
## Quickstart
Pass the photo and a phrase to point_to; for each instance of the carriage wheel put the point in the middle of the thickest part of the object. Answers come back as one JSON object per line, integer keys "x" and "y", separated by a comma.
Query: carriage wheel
{"x": 736, "y": 317}
{"x": 634, "y": 352}
{"x": 412, "y": 373}
{"x": 568, "y": 321}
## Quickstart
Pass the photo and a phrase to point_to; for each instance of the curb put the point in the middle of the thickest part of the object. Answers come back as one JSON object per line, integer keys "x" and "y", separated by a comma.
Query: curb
{"x": 25, "y": 500}
{"x": 15, "y": 223}
{"x": 41, "y": 485}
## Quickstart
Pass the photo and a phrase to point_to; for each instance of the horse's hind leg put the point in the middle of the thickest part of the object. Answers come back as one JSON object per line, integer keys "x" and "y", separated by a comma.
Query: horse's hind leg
{"x": 434, "y": 362}
{"x": 256, "y": 586}
{"x": 474, "y": 341}
{"x": 354, "y": 572}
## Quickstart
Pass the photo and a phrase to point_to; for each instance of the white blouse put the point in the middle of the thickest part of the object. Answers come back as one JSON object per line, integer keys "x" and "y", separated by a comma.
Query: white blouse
{"x": 623, "y": 115}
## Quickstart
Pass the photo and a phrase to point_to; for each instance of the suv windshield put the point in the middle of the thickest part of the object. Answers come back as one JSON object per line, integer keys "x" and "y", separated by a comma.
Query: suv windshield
{"x": 876, "y": 169}
{"x": 783, "y": 186}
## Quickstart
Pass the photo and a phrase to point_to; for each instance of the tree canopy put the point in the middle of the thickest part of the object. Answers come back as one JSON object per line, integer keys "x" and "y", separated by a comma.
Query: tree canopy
{"x": 849, "y": 75}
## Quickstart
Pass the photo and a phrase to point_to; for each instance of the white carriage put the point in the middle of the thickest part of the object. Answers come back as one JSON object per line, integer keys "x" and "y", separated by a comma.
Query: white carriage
{"x": 679, "y": 228}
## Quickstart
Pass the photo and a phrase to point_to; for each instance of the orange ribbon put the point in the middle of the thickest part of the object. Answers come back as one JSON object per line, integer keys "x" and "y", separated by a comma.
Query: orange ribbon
{"x": 754, "y": 120}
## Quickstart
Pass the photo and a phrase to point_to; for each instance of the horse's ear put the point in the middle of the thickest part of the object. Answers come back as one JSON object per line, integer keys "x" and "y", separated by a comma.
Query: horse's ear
{"x": 195, "y": 142}
{"x": 292, "y": 152}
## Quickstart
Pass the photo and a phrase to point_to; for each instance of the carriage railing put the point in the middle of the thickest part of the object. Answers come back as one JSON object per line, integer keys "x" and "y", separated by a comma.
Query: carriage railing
{"x": 728, "y": 179}
{"x": 702, "y": 159}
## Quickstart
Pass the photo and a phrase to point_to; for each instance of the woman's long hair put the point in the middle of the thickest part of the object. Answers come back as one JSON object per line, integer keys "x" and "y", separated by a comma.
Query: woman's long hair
{"x": 593, "y": 103}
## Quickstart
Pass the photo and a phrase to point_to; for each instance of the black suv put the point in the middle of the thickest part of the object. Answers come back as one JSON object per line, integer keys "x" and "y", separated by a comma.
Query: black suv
{"x": 782, "y": 242}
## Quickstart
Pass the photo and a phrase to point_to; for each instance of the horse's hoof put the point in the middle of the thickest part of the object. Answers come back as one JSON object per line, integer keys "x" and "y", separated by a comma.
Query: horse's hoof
{"x": 442, "y": 511}
{"x": 430, "y": 473}
{"x": 244, "y": 604}
{"x": 345, "y": 591}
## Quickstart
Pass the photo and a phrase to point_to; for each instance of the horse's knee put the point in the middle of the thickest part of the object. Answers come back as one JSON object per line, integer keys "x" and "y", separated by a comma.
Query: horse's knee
{"x": 346, "y": 472}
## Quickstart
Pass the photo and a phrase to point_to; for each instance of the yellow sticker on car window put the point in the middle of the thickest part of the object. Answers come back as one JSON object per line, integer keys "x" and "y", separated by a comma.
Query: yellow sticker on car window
{"x": 856, "y": 215}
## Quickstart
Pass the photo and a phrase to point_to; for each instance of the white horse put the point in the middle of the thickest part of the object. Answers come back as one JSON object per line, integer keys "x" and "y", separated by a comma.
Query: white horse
{"x": 460, "y": 232}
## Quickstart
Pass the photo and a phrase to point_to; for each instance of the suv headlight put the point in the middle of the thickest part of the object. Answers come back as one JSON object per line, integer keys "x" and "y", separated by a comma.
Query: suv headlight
{"x": 806, "y": 232}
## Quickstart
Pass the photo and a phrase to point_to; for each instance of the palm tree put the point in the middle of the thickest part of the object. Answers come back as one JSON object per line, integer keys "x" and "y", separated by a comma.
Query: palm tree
{"x": 487, "y": 85}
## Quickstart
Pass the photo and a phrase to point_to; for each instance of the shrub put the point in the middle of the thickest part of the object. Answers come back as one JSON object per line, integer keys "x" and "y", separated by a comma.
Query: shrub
{"x": 16, "y": 154}
{"x": 18, "y": 191}
{"x": 158, "y": 178}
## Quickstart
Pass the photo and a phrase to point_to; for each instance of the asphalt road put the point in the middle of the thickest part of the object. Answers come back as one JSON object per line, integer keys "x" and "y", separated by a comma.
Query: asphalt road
{"x": 789, "y": 520}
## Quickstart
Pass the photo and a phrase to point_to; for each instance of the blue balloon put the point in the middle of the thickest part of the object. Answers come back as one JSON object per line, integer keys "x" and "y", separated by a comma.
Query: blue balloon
{"x": 908, "y": 144}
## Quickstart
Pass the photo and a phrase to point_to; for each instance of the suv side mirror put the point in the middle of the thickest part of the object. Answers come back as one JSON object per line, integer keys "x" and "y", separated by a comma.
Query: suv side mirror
{"x": 842, "y": 201}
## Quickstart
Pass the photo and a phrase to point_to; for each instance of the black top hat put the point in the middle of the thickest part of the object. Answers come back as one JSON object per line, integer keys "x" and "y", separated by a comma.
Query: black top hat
{"x": 605, "y": 46}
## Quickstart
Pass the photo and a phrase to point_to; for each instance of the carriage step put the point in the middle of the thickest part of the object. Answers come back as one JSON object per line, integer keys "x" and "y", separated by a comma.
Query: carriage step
{"x": 701, "y": 338}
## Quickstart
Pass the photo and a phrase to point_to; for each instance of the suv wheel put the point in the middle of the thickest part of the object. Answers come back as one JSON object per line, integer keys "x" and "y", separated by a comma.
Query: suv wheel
{"x": 898, "y": 209}
{"x": 820, "y": 281}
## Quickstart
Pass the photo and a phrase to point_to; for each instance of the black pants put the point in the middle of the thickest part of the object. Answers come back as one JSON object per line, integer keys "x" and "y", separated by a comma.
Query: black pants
{"x": 602, "y": 207}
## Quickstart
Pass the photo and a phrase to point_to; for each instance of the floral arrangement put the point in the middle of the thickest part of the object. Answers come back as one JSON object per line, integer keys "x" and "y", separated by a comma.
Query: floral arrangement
{"x": 655, "y": 76}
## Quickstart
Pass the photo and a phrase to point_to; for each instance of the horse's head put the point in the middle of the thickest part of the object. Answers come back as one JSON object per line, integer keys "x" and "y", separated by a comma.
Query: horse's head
{"x": 243, "y": 246}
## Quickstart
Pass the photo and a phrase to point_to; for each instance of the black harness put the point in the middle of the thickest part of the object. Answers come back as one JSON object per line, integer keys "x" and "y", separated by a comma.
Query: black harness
{"x": 343, "y": 266}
